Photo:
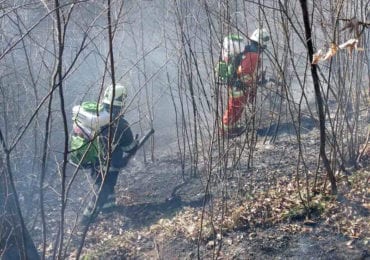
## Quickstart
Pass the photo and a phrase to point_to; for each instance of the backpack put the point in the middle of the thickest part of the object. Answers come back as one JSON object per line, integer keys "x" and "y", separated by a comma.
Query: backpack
{"x": 224, "y": 70}
{"x": 87, "y": 147}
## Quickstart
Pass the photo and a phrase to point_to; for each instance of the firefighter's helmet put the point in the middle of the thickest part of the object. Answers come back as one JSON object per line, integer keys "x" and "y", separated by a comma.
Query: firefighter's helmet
{"x": 261, "y": 36}
{"x": 120, "y": 94}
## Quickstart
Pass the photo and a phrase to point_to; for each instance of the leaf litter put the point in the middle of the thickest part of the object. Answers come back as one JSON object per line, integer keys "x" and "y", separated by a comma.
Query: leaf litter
{"x": 258, "y": 222}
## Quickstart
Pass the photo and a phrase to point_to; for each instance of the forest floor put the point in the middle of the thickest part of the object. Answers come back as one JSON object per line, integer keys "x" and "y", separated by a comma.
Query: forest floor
{"x": 253, "y": 213}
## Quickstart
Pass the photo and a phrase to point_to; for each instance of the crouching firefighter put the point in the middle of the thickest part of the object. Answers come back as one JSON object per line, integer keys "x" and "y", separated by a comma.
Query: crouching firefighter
{"x": 104, "y": 170}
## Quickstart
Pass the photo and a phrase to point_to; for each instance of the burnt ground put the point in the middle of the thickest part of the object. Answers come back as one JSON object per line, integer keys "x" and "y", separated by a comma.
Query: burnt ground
{"x": 161, "y": 205}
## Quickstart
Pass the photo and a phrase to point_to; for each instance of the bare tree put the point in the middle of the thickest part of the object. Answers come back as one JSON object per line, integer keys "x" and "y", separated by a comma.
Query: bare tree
{"x": 15, "y": 240}
{"x": 58, "y": 53}
{"x": 319, "y": 101}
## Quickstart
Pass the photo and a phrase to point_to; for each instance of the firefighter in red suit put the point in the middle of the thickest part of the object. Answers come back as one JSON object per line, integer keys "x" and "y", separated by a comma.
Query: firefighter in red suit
{"x": 242, "y": 82}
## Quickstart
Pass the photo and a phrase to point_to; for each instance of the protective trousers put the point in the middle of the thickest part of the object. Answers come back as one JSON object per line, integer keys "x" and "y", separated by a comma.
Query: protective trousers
{"x": 106, "y": 185}
{"x": 237, "y": 101}
{"x": 103, "y": 197}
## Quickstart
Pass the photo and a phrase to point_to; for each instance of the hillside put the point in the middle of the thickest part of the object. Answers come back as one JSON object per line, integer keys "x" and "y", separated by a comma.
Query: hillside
{"x": 256, "y": 213}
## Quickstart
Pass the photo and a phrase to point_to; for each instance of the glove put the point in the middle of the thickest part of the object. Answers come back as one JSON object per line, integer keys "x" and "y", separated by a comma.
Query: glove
{"x": 263, "y": 81}
{"x": 128, "y": 154}
{"x": 238, "y": 84}
{"x": 133, "y": 151}
{"x": 125, "y": 159}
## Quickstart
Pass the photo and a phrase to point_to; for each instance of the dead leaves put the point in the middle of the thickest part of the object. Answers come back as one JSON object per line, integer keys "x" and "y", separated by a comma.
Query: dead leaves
{"x": 264, "y": 208}
{"x": 186, "y": 222}
{"x": 276, "y": 205}
{"x": 350, "y": 45}
{"x": 347, "y": 216}
{"x": 350, "y": 215}
{"x": 353, "y": 26}
{"x": 320, "y": 56}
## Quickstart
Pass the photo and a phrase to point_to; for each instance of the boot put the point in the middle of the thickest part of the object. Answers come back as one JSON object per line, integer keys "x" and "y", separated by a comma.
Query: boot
{"x": 109, "y": 204}
{"x": 108, "y": 198}
{"x": 89, "y": 214}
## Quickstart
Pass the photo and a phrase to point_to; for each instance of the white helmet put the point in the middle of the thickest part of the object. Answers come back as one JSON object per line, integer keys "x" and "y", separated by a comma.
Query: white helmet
{"x": 232, "y": 45}
{"x": 120, "y": 95}
{"x": 260, "y": 36}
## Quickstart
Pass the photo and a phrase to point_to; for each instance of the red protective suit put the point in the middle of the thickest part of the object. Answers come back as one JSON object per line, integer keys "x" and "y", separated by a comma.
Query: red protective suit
{"x": 243, "y": 89}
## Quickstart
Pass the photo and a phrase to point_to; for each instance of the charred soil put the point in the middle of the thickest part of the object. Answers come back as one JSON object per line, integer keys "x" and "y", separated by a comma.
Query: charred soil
{"x": 261, "y": 210}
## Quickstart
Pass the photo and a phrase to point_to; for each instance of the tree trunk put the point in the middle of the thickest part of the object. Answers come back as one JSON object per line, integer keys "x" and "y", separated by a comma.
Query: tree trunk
{"x": 319, "y": 101}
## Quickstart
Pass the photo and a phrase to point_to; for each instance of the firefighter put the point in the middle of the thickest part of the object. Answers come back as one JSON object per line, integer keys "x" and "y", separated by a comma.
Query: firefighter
{"x": 242, "y": 78}
{"x": 123, "y": 147}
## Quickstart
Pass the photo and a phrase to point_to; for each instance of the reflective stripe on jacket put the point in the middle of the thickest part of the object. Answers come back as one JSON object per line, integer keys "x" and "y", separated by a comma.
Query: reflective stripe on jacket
{"x": 235, "y": 92}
